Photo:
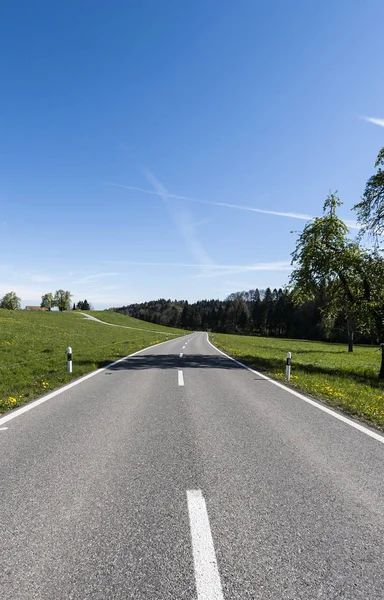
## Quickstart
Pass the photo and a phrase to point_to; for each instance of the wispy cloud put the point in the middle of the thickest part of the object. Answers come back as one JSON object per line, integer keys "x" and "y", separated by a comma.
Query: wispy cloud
{"x": 182, "y": 221}
{"x": 351, "y": 224}
{"x": 292, "y": 215}
{"x": 27, "y": 293}
{"x": 90, "y": 278}
{"x": 236, "y": 269}
{"x": 374, "y": 120}
{"x": 39, "y": 278}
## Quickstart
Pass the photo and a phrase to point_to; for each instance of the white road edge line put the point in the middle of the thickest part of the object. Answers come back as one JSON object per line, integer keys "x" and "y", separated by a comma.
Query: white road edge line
{"x": 207, "y": 577}
{"x": 181, "y": 355}
{"x": 180, "y": 378}
{"x": 20, "y": 411}
{"x": 329, "y": 411}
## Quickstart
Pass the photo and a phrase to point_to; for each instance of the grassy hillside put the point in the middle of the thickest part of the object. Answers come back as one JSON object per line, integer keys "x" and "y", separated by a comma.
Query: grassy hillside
{"x": 326, "y": 371}
{"x": 120, "y": 319}
{"x": 33, "y": 349}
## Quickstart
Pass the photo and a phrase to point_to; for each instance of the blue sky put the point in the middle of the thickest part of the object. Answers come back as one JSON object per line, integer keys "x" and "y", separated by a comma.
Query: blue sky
{"x": 204, "y": 105}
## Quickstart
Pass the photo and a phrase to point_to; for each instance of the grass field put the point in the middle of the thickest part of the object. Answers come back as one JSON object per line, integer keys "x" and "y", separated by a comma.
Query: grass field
{"x": 322, "y": 370}
{"x": 33, "y": 349}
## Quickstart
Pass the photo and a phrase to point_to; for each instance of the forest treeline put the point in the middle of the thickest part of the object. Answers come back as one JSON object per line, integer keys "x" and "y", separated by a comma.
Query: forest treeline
{"x": 254, "y": 312}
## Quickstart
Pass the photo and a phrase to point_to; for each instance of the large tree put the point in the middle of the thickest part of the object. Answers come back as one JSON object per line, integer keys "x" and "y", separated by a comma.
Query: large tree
{"x": 47, "y": 301}
{"x": 370, "y": 210}
{"x": 62, "y": 300}
{"x": 348, "y": 279}
{"x": 10, "y": 301}
{"x": 327, "y": 264}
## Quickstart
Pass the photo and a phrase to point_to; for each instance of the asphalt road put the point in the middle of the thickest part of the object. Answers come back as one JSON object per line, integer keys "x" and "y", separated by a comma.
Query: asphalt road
{"x": 185, "y": 477}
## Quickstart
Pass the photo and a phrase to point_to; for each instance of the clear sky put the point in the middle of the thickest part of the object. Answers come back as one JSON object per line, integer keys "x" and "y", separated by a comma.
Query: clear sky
{"x": 262, "y": 105}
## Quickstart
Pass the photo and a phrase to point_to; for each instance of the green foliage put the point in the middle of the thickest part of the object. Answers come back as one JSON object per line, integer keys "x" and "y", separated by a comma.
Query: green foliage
{"x": 370, "y": 210}
{"x": 323, "y": 256}
{"x": 261, "y": 312}
{"x": 83, "y": 305}
{"x": 269, "y": 312}
{"x": 62, "y": 300}
{"x": 47, "y": 301}
{"x": 33, "y": 348}
{"x": 326, "y": 371}
{"x": 349, "y": 279}
{"x": 10, "y": 301}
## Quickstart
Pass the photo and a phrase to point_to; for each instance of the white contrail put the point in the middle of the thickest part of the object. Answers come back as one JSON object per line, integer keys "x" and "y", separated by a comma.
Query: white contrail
{"x": 374, "y": 120}
{"x": 292, "y": 215}
{"x": 182, "y": 221}
{"x": 225, "y": 204}
{"x": 262, "y": 266}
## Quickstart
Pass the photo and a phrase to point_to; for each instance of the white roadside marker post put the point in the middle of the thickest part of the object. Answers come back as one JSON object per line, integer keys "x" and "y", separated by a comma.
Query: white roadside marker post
{"x": 288, "y": 367}
{"x": 69, "y": 359}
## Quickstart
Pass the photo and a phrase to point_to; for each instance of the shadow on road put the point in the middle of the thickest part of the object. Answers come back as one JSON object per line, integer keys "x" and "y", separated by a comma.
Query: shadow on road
{"x": 173, "y": 361}
{"x": 211, "y": 361}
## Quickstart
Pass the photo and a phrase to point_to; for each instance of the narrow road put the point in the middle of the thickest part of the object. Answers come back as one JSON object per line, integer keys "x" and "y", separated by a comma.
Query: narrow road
{"x": 177, "y": 474}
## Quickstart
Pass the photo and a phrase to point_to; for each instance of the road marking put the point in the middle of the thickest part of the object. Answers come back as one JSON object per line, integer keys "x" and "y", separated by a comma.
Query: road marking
{"x": 180, "y": 377}
{"x": 207, "y": 578}
{"x": 329, "y": 411}
{"x": 3, "y": 428}
{"x": 181, "y": 355}
{"x": 184, "y": 346}
{"x": 20, "y": 411}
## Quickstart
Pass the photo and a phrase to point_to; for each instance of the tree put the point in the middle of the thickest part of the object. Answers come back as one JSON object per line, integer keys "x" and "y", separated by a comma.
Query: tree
{"x": 329, "y": 264}
{"x": 267, "y": 312}
{"x": 185, "y": 319}
{"x": 62, "y": 300}
{"x": 10, "y": 301}
{"x": 83, "y": 305}
{"x": 47, "y": 301}
{"x": 372, "y": 303}
{"x": 370, "y": 210}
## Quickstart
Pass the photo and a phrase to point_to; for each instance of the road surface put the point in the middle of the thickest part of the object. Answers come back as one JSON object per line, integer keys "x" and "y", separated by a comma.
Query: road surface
{"x": 177, "y": 474}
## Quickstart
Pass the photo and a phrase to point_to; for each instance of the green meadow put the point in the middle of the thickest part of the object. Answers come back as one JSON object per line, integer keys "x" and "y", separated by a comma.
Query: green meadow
{"x": 328, "y": 372}
{"x": 33, "y": 348}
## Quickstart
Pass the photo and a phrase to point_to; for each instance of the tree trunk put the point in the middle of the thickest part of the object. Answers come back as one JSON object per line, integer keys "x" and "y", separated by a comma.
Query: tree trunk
{"x": 350, "y": 336}
{"x": 381, "y": 374}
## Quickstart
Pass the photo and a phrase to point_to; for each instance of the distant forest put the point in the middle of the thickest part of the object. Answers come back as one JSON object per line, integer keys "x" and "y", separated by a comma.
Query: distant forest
{"x": 255, "y": 312}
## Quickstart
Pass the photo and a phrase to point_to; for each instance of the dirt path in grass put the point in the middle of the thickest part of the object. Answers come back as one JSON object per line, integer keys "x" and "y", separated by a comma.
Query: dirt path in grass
{"x": 91, "y": 318}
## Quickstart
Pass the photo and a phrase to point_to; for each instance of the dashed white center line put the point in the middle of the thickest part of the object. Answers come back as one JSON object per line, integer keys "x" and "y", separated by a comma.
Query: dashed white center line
{"x": 180, "y": 378}
{"x": 3, "y": 428}
{"x": 207, "y": 577}
{"x": 184, "y": 346}
{"x": 181, "y": 355}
